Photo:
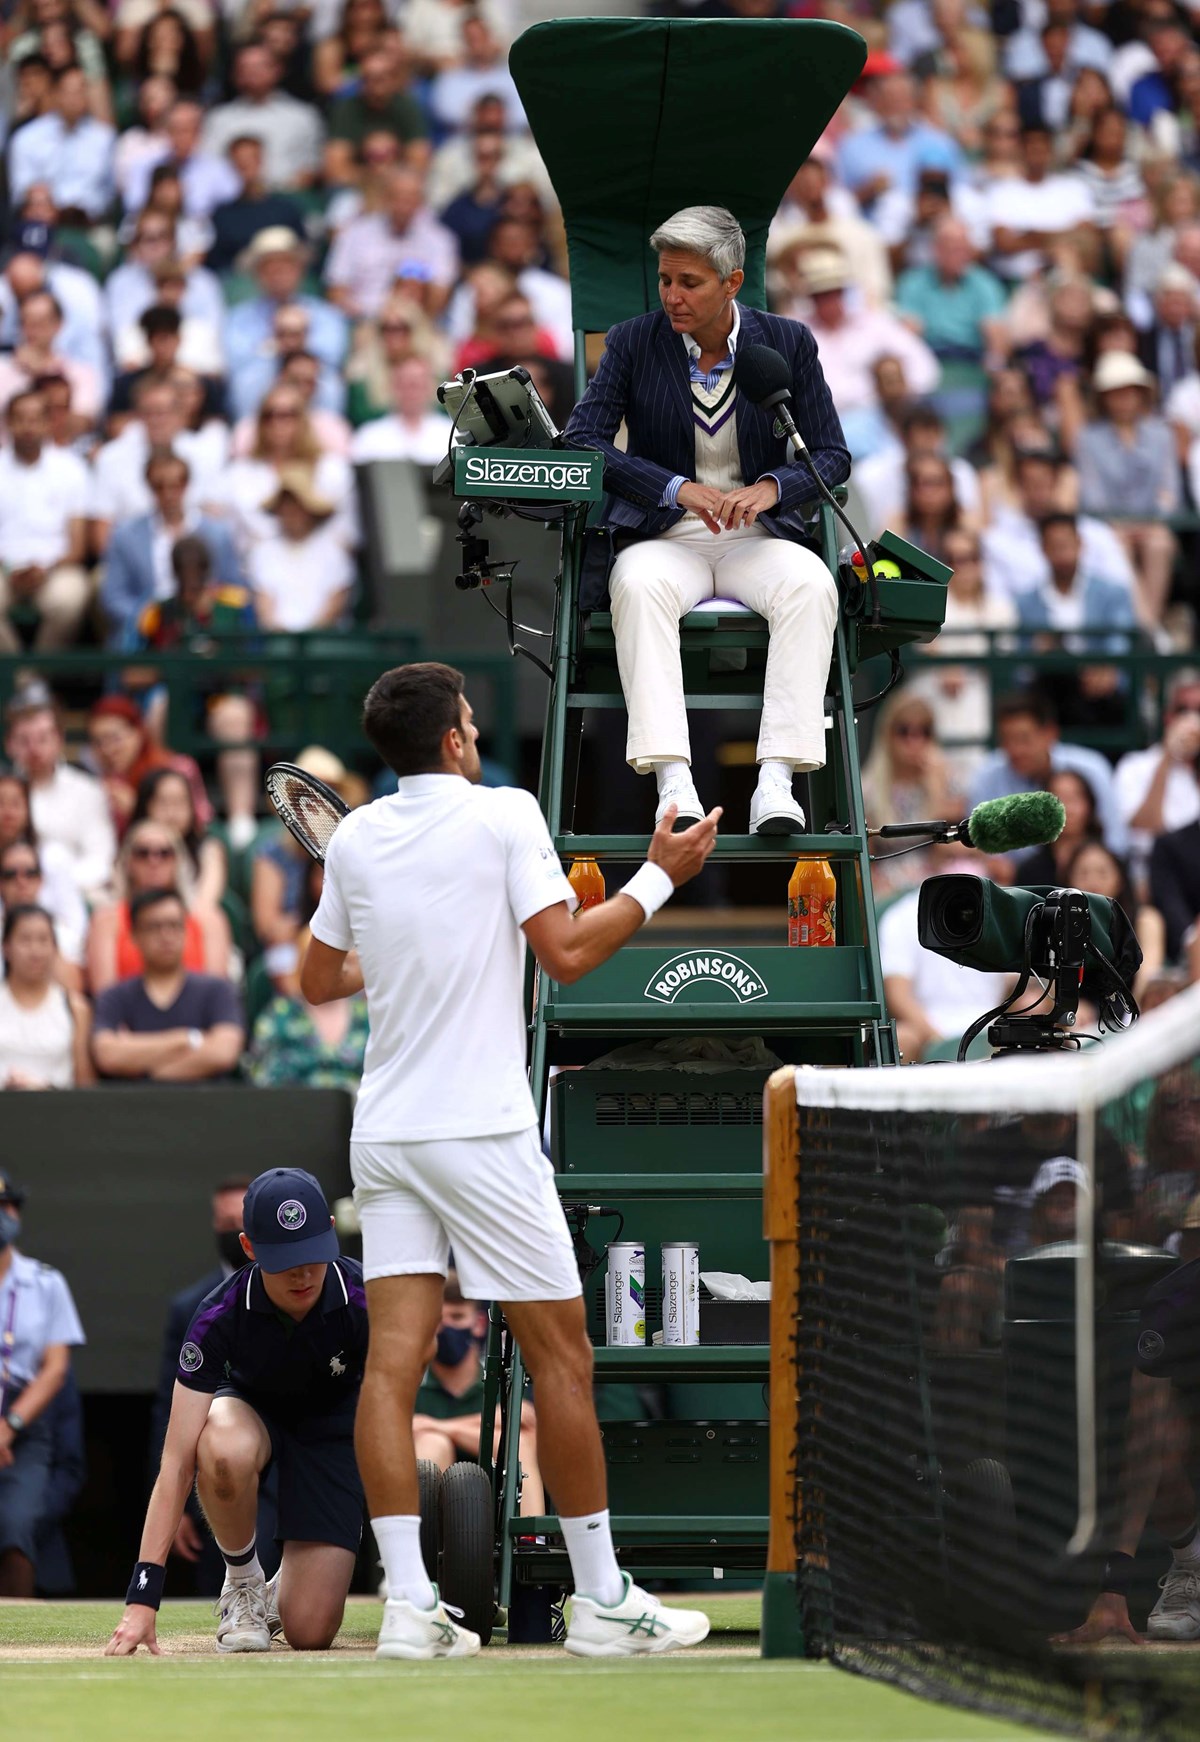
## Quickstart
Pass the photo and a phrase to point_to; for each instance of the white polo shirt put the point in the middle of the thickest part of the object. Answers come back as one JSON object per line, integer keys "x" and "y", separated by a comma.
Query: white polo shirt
{"x": 37, "y": 505}
{"x": 431, "y": 886}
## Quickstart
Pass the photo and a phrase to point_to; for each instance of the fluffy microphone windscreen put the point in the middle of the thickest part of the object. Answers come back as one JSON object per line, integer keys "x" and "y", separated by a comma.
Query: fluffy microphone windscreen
{"x": 1023, "y": 819}
{"x": 760, "y": 371}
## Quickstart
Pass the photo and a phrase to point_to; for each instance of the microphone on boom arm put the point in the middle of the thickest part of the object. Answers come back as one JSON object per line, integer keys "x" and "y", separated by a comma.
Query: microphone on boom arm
{"x": 763, "y": 375}
{"x": 998, "y": 825}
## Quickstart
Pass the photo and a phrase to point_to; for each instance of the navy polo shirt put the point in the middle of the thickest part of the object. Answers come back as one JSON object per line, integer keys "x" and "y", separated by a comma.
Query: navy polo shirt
{"x": 293, "y": 1368}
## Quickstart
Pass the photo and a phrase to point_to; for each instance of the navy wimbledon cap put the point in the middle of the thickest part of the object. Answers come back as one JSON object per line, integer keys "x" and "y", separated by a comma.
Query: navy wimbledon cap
{"x": 286, "y": 1220}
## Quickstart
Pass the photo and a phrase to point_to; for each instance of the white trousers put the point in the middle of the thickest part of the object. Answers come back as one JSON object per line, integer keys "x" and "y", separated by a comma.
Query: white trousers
{"x": 658, "y": 581}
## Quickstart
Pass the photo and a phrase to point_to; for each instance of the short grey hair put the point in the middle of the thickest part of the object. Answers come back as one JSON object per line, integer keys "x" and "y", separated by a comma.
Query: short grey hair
{"x": 710, "y": 231}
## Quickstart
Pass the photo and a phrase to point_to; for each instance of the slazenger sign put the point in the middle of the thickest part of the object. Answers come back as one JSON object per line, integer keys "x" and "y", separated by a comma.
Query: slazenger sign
{"x": 558, "y": 477}
{"x": 716, "y": 967}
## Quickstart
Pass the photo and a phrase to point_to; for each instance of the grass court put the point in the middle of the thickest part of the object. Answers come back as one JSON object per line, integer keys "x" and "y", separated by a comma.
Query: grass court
{"x": 55, "y": 1686}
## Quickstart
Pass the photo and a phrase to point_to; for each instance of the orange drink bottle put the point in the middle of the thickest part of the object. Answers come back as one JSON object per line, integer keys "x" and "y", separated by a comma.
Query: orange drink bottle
{"x": 587, "y": 880}
{"x": 812, "y": 904}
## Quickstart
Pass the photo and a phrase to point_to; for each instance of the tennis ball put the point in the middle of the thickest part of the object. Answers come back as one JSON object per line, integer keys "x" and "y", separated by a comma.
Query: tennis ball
{"x": 886, "y": 569}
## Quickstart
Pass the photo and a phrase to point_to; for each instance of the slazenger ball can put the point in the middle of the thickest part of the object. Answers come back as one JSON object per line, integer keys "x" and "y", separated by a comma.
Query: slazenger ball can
{"x": 625, "y": 1295}
{"x": 681, "y": 1294}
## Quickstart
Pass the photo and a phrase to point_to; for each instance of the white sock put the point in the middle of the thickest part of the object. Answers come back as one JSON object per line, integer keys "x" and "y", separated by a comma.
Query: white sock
{"x": 1188, "y": 1554}
{"x": 242, "y": 1564}
{"x": 593, "y": 1562}
{"x": 399, "y": 1539}
{"x": 665, "y": 771}
{"x": 771, "y": 769}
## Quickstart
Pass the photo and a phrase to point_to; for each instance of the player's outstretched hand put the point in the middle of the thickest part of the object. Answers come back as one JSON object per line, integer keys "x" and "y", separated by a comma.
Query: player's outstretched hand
{"x": 1109, "y": 1617}
{"x": 682, "y": 855}
{"x": 136, "y": 1627}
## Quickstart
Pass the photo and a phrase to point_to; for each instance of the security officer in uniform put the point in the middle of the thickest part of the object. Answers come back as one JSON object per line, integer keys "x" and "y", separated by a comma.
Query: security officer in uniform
{"x": 38, "y": 1328}
{"x": 268, "y": 1375}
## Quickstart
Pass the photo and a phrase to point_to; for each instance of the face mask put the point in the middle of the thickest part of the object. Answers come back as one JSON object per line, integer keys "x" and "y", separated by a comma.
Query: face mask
{"x": 454, "y": 1344}
{"x": 10, "y": 1229}
{"x": 229, "y": 1246}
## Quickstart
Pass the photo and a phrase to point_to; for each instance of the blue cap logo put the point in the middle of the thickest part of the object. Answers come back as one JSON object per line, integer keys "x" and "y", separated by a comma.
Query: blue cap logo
{"x": 291, "y": 1215}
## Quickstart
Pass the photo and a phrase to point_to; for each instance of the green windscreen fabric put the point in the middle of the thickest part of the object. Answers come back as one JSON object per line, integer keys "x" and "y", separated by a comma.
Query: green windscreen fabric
{"x": 636, "y": 117}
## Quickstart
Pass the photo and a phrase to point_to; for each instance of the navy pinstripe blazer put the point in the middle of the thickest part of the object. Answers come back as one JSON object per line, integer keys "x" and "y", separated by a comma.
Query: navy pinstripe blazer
{"x": 643, "y": 378}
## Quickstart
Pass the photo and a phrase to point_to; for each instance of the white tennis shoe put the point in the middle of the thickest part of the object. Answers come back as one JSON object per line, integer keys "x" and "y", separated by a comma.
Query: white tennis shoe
{"x": 682, "y": 792}
{"x": 635, "y": 1626}
{"x": 409, "y": 1632}
{"x": 242, "y": 1608}
{"x": 274, "y": 1624}
{"x": 773, "y": 810}
{"x": 1176, "y": 1615}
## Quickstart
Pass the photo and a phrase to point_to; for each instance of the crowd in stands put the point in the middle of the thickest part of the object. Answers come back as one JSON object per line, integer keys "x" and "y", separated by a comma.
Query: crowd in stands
{"x": 243, "y": 242}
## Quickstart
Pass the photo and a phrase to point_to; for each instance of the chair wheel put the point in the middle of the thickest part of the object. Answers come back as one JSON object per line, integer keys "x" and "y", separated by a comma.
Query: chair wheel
{"x": 429, "y": 1492}
{"x": 468, "y": 1575}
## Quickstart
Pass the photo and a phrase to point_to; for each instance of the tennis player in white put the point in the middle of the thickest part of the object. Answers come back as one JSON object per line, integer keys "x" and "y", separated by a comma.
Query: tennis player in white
{"x": 426, "y": 895}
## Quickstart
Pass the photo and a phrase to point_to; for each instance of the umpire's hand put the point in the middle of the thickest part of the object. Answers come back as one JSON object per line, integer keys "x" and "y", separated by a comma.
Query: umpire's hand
{"x": 682, "y": 855}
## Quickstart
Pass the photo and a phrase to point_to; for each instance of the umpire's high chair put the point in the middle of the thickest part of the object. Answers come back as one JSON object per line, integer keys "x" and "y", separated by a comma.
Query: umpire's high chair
{"x": 673, "y": 1153}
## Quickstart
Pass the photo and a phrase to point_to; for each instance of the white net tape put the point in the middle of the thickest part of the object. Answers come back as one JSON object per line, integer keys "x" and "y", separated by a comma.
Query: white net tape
{"x": 1038, "y": 1083}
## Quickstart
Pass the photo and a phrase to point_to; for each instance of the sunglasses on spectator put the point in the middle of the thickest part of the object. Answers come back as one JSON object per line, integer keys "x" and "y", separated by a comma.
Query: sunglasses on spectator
{"x": 911, "y": 729}
{"x": 278, "y": 412}
{"x": 152, "y": 853}
{"x": 13, "y": 871}
{"x": 395, "y": 327}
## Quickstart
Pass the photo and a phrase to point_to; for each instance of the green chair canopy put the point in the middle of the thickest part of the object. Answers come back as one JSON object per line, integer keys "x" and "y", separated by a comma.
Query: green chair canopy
{"x": 636, "y": 117}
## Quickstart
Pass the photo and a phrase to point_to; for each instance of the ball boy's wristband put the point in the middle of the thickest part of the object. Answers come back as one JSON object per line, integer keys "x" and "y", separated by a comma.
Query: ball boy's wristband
{"x": 649, "y": 886}
{"x": 146, "y": 1585}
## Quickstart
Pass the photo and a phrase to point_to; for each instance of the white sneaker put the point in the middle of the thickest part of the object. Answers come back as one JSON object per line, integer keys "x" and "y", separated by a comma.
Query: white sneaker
{"x": 1176, "y": 1615}
{"x": 242, "y": 1608}
{"x": 773, "y": 810}
{"x": 410, "y": 1632}
{"x": 636, "y": 1625}
{"x": 682, "y": 792}
{"x": 274, "y": 1624}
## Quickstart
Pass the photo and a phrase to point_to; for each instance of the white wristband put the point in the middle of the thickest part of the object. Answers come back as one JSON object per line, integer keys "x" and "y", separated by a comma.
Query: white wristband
{"x": 649, "y": 886}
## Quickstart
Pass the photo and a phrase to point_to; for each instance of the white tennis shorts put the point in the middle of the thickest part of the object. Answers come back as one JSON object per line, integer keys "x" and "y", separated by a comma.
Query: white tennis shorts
{"x": 490, "y": 1199}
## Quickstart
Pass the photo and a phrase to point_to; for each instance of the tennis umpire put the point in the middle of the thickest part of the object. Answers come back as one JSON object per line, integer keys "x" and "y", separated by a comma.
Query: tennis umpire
{"x": 431, "y": 888}
{"x": 269, "y": 1373}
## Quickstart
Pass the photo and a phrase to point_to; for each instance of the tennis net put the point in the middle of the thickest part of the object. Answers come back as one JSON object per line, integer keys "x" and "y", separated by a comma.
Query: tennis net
{"x": 996, "y": 1369}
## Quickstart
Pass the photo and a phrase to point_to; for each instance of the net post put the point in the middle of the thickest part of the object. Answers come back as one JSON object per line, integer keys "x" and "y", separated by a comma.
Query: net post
{"x": 782, "y": 1630}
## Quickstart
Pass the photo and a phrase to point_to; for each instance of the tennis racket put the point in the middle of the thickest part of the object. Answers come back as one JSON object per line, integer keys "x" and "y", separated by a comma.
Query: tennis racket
{"x": 309, "y": 808}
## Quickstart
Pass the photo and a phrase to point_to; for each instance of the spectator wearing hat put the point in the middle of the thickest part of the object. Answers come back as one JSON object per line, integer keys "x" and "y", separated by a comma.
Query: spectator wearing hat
{"x": 1126, "y": 456}
{"x": 850, "y": 341}
{"x": 414, "y": 430}
{"x": 44, "y": 500}
{"x": 956, "y": 306}
{"x": 892, "y": 152}
{"x": 1053, "y": 1198}
{"x": 278, "y": 261}
{"x": 69, "y": 150}
{"x": 301, "y": 576}
{"x": 166, "y": 1024}
{"x": 38, "y": 352}
{"x": 815, "y": 214}
{"x": 39, "y": 1326}
{"x": 139, "y": 570}
{"x": 1168, "y": 346}
{"x": 292, "y": 132}
{"x": 45, "y": 1029}
{"x": 251, "y": 207}
{"x": 284, "y": 438}
{"x": 377, "y": 248}
{"x": 382, "y": 103}
{"x": 67, "y": 805}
